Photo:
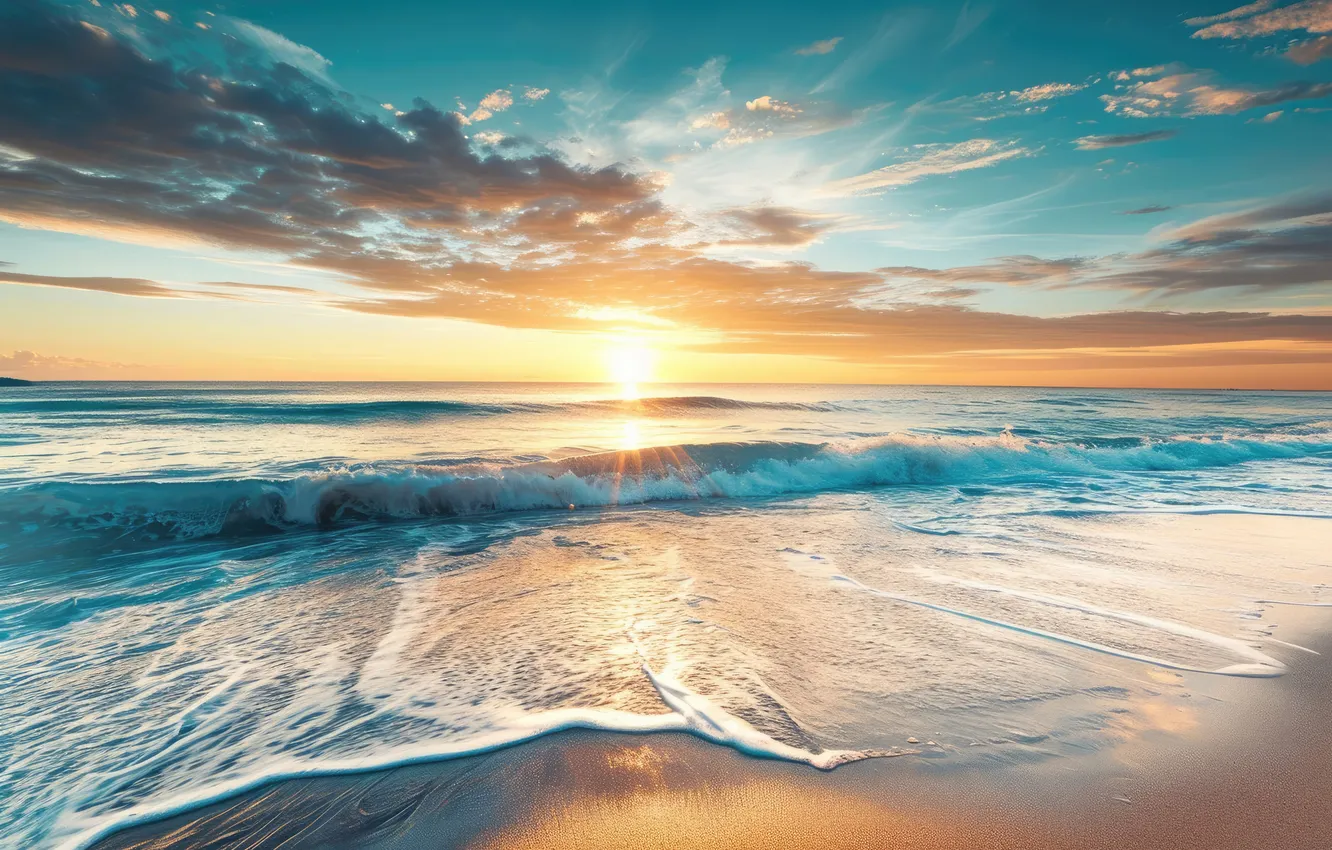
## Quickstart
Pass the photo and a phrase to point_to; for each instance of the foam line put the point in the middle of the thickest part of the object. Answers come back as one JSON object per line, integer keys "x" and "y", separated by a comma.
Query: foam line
{"x": 690, "y": 712}
{"x": 1263, "y": 666}
{"x": 1291, "y": 602}
{"x": 1180, "y": 510}
{"x": 703, "y": 718}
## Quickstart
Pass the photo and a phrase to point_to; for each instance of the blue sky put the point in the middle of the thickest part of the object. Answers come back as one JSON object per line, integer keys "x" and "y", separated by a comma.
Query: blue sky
{"x": 1116, "y": 193}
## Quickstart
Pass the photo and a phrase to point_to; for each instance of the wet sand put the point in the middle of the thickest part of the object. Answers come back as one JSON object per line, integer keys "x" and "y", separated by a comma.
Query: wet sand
{"x": 1253, "y": 768}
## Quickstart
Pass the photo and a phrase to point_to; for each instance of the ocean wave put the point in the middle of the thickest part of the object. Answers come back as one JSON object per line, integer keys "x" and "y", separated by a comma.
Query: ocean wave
{"x": 100, "y": 410}
{"x": 150, "y": 511}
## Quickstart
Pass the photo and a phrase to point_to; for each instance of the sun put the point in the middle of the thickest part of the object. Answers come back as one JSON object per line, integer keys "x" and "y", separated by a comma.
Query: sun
{"x": 630, "y": 362}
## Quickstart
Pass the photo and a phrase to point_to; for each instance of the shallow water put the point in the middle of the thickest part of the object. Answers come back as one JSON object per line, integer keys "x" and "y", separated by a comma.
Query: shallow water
{"x": 209, "y": 586}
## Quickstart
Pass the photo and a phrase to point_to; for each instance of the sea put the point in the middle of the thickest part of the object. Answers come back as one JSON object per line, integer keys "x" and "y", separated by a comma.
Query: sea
{"x": 209, "y": 587}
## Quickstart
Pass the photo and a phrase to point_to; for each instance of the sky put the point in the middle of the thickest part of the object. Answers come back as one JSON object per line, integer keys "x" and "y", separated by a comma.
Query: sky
{"x": 1042, "y": 193}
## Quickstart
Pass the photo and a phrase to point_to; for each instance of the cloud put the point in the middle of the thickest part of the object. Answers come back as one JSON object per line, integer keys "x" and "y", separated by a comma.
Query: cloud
{"x": 1023, "y": 269}
{"x": 1259, "y": 19}
{"x": 1046, "y": 91}
{"x": 1151, "y": 210}
{"x": 1241, "y": 12}
{"x": 282, "y": 48}
{"x": 1268, "y": 118}
{"x": 766, "y": 117}
{"x": 793, "y": 308}
{"x": 138, "y": 287}
{"x": 988, "y": 106}
{"x": 930, "y": 160}
{"x": 777, "y": 227}
{"x": 819, "y": 48}
{"x": 893, "y": 29}
{"x": 1214, "y": 101}
{"x": 251, "y": 154}
{"x": 30, "y": 364}
{"x": 1096, "y": 143}
{"x": 534, "y": 94}
{"x": 1191, "y": 94}
{"x": 713, "y": 121}
{"x": 113, "y": 285}
{"x": 1276, "y": 246}
{"x": 497, "y": 101}
{"x": 767, "y": 104}
{"x": 1311, "y": 51}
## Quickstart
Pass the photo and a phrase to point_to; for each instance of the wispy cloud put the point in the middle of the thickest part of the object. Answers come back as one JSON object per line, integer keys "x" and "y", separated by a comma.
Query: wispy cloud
{"x": 969, "y": 18}
{"x": 1152, "y": 210}
{"x": 1046, "y": 91}
{"x": 140, "y": 288}
{"x": 282, "y": 48}
{"x": 989, "y": 106}
{"x": 892, "y": 31}
{"x": 1259, "y": 19}
{"x": 1276, "y": 246}
{"x": 113, "y": 285}
{"x": 1096, "y": 143}
{"x": 819, "y": 48}
{"x": 1241, "y": 12}
{"x": 931, "y": 160}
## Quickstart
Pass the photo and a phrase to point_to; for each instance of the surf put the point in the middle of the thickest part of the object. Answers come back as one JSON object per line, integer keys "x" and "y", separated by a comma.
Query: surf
{"x": 149, "y": 511}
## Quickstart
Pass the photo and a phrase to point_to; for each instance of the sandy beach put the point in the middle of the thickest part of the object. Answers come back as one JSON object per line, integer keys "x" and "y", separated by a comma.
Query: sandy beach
{"x": 1251, "y": 771}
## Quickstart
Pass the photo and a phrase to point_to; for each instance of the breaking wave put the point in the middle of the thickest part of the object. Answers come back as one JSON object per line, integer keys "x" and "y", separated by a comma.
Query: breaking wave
{"x": 148, "y": 511}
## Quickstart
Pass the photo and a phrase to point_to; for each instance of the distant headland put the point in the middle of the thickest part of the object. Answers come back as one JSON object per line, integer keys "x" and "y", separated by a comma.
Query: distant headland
{"x": 15, "y": 382}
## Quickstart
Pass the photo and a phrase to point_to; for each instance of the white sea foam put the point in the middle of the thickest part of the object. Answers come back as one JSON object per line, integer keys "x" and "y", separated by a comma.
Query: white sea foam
{"x": 690, "y": 712}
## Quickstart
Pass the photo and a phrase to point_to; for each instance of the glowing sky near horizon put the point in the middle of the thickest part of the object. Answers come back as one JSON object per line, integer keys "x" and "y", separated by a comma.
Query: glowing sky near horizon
{"x": 1114, "y": 194}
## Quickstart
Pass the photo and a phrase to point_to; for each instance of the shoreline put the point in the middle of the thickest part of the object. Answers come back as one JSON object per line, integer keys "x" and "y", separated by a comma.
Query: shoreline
{"x": 1254, "y": 773}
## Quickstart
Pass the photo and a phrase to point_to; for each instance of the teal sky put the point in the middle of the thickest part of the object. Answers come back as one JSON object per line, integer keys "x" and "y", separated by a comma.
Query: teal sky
{"x": 1106, "y": 193}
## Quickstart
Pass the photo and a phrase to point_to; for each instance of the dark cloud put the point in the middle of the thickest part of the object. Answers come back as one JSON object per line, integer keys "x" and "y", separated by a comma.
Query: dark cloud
{"x": 779, "y": 227}
{"x": 1010, "y": 270}
{"x": 1154, "y": 208}
{"x": 243, "y": 151}
{"x": 1271, "y": 97}
{"x": 114, "y": 285}
{"x": 221, "y": 289}
{"x": 1096, "y": 143}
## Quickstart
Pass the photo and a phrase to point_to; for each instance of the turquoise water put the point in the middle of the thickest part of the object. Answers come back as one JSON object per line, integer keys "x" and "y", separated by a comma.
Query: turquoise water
{"x": 206, "y": 587}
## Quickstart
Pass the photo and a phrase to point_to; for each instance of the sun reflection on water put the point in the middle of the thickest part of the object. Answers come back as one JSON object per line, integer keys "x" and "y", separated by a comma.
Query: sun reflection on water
{"x": 632, "y": 439}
